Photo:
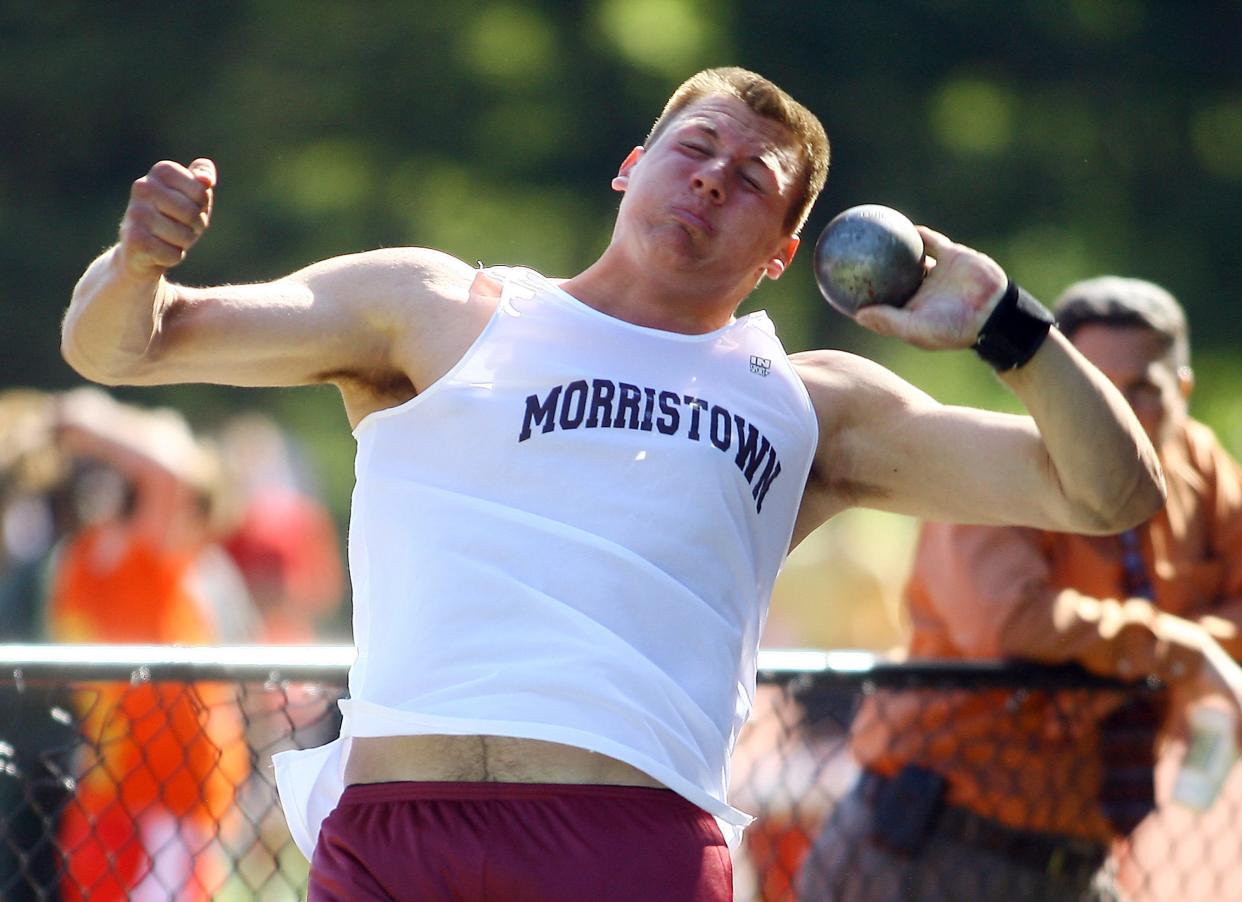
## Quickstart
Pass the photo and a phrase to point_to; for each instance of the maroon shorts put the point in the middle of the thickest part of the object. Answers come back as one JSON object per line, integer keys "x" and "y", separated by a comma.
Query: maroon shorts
{"x": 512, "y": 842}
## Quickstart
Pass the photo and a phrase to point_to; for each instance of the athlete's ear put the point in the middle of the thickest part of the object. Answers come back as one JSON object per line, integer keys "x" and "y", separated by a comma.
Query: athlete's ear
{"x": 780, "y": 262}
{"x": 622, "y": 179}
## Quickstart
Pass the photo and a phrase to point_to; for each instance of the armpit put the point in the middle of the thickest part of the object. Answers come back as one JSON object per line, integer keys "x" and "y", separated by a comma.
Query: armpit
{"x": 384, "y": 385}
{"x": 848, "y": 492}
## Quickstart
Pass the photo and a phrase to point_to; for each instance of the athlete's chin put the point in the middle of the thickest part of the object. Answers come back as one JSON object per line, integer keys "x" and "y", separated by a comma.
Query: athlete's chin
{"x": 679, "y": 245}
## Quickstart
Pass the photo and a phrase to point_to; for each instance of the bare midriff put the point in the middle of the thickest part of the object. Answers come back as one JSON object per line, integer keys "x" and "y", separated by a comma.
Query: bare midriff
{"x": 483, "y": 759}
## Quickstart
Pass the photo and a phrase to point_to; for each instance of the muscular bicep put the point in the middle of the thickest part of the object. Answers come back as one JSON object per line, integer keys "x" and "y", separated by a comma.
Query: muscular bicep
{"x": 887, "y": 445}
{"x": 275, "y": 333}
{"x": 349, "y": 317}
{"x": 954, "y": 464}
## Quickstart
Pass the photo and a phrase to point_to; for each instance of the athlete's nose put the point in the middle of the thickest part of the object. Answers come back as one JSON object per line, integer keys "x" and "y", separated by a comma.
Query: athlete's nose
{"x": 709, "y": 180}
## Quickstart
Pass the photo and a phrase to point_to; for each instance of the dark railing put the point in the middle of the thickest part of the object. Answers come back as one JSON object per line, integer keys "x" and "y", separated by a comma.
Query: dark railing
{"x": 146, "y": 770}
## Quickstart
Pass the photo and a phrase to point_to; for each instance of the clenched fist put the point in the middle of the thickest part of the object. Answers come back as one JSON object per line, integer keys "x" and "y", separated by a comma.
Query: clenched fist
{"x": 169, "y": 209}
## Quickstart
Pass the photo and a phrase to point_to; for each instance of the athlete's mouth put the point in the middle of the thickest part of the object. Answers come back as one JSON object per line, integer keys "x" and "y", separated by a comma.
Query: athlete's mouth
{"x": 688, "y": 217}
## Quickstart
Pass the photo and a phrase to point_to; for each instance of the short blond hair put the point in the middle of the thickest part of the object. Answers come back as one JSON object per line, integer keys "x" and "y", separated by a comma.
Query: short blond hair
{"x": 770, "y": 102}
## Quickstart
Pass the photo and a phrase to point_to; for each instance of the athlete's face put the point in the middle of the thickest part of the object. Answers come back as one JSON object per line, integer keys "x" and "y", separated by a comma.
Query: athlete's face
{"x": 712, "y": 191}
{"x": 1136, "y": 360}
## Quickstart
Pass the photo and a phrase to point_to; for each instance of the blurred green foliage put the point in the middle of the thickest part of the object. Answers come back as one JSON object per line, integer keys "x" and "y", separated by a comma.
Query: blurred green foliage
{"x": 1064, "y": 137}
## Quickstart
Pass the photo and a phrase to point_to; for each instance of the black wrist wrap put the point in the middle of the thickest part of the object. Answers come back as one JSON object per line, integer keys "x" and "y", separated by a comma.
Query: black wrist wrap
{"x": 1014, "y": 330}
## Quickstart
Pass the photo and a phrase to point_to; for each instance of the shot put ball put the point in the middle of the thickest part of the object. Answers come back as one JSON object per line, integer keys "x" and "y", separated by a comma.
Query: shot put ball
{"x": 869, "y": 254}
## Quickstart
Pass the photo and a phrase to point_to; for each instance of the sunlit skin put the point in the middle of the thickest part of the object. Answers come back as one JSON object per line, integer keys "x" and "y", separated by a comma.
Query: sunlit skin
{"x": 702, "y": 219}
{"x": 1136, "y": 360}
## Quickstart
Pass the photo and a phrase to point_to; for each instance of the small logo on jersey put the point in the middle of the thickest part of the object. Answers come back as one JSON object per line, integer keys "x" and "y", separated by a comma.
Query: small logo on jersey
{"x": 760, "y": 366}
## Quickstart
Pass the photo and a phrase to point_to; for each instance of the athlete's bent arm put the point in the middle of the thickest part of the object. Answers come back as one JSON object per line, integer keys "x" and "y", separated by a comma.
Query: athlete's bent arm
{"x": 1079, "y": 463}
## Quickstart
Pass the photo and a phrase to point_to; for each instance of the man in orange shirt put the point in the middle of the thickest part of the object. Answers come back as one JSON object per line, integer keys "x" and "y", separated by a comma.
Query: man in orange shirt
{"x": 1017, "y": 795}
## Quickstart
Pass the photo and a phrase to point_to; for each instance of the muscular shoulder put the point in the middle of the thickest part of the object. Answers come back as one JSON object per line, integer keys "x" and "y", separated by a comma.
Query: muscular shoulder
{"x": 422, "y": 307}
{"x": 398, "y": 276}
{"x": 861, "y": 408}
{"x": 844, "y": 386}
{"x": 822, "y": 367}
{"x": 440, "y": 275}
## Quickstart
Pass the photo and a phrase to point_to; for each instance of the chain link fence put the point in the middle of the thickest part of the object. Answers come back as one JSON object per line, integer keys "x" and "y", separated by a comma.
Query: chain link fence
{"x": 144, "y": 772}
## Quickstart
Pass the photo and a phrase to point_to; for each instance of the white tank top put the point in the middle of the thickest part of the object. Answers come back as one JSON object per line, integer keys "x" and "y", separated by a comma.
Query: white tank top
{"x": 572, "y": 536}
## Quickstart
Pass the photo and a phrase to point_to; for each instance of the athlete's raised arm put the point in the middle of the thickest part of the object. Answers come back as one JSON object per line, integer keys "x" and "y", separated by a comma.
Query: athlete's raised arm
{"x": 379, "y": 324}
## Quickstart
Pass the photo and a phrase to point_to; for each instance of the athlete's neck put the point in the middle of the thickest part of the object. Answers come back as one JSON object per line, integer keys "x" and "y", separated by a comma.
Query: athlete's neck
{"x": 644, "y": 298}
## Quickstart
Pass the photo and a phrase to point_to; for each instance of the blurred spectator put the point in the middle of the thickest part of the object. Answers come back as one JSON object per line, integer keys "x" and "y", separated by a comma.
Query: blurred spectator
{"x": 34, "y": 745}
{"x": 784, "y": 772}
{"x": 999, "y": 795}
{"x": 287, "y": 547}
{"x": 32, "y": 470}
{"x": 286, "y": 543}
{"x": 167, "y": 757}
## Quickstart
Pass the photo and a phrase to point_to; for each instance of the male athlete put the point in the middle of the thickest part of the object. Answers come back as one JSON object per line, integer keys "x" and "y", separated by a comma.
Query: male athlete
{"x": 573, "y": 497}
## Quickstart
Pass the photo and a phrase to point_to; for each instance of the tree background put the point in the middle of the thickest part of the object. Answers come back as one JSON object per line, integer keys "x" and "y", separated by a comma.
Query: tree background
{"x": 1066, "y": 138}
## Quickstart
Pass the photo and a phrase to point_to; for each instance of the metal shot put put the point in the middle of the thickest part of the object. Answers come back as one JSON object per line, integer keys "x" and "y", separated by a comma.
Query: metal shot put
{"x": 869, "y": 254}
